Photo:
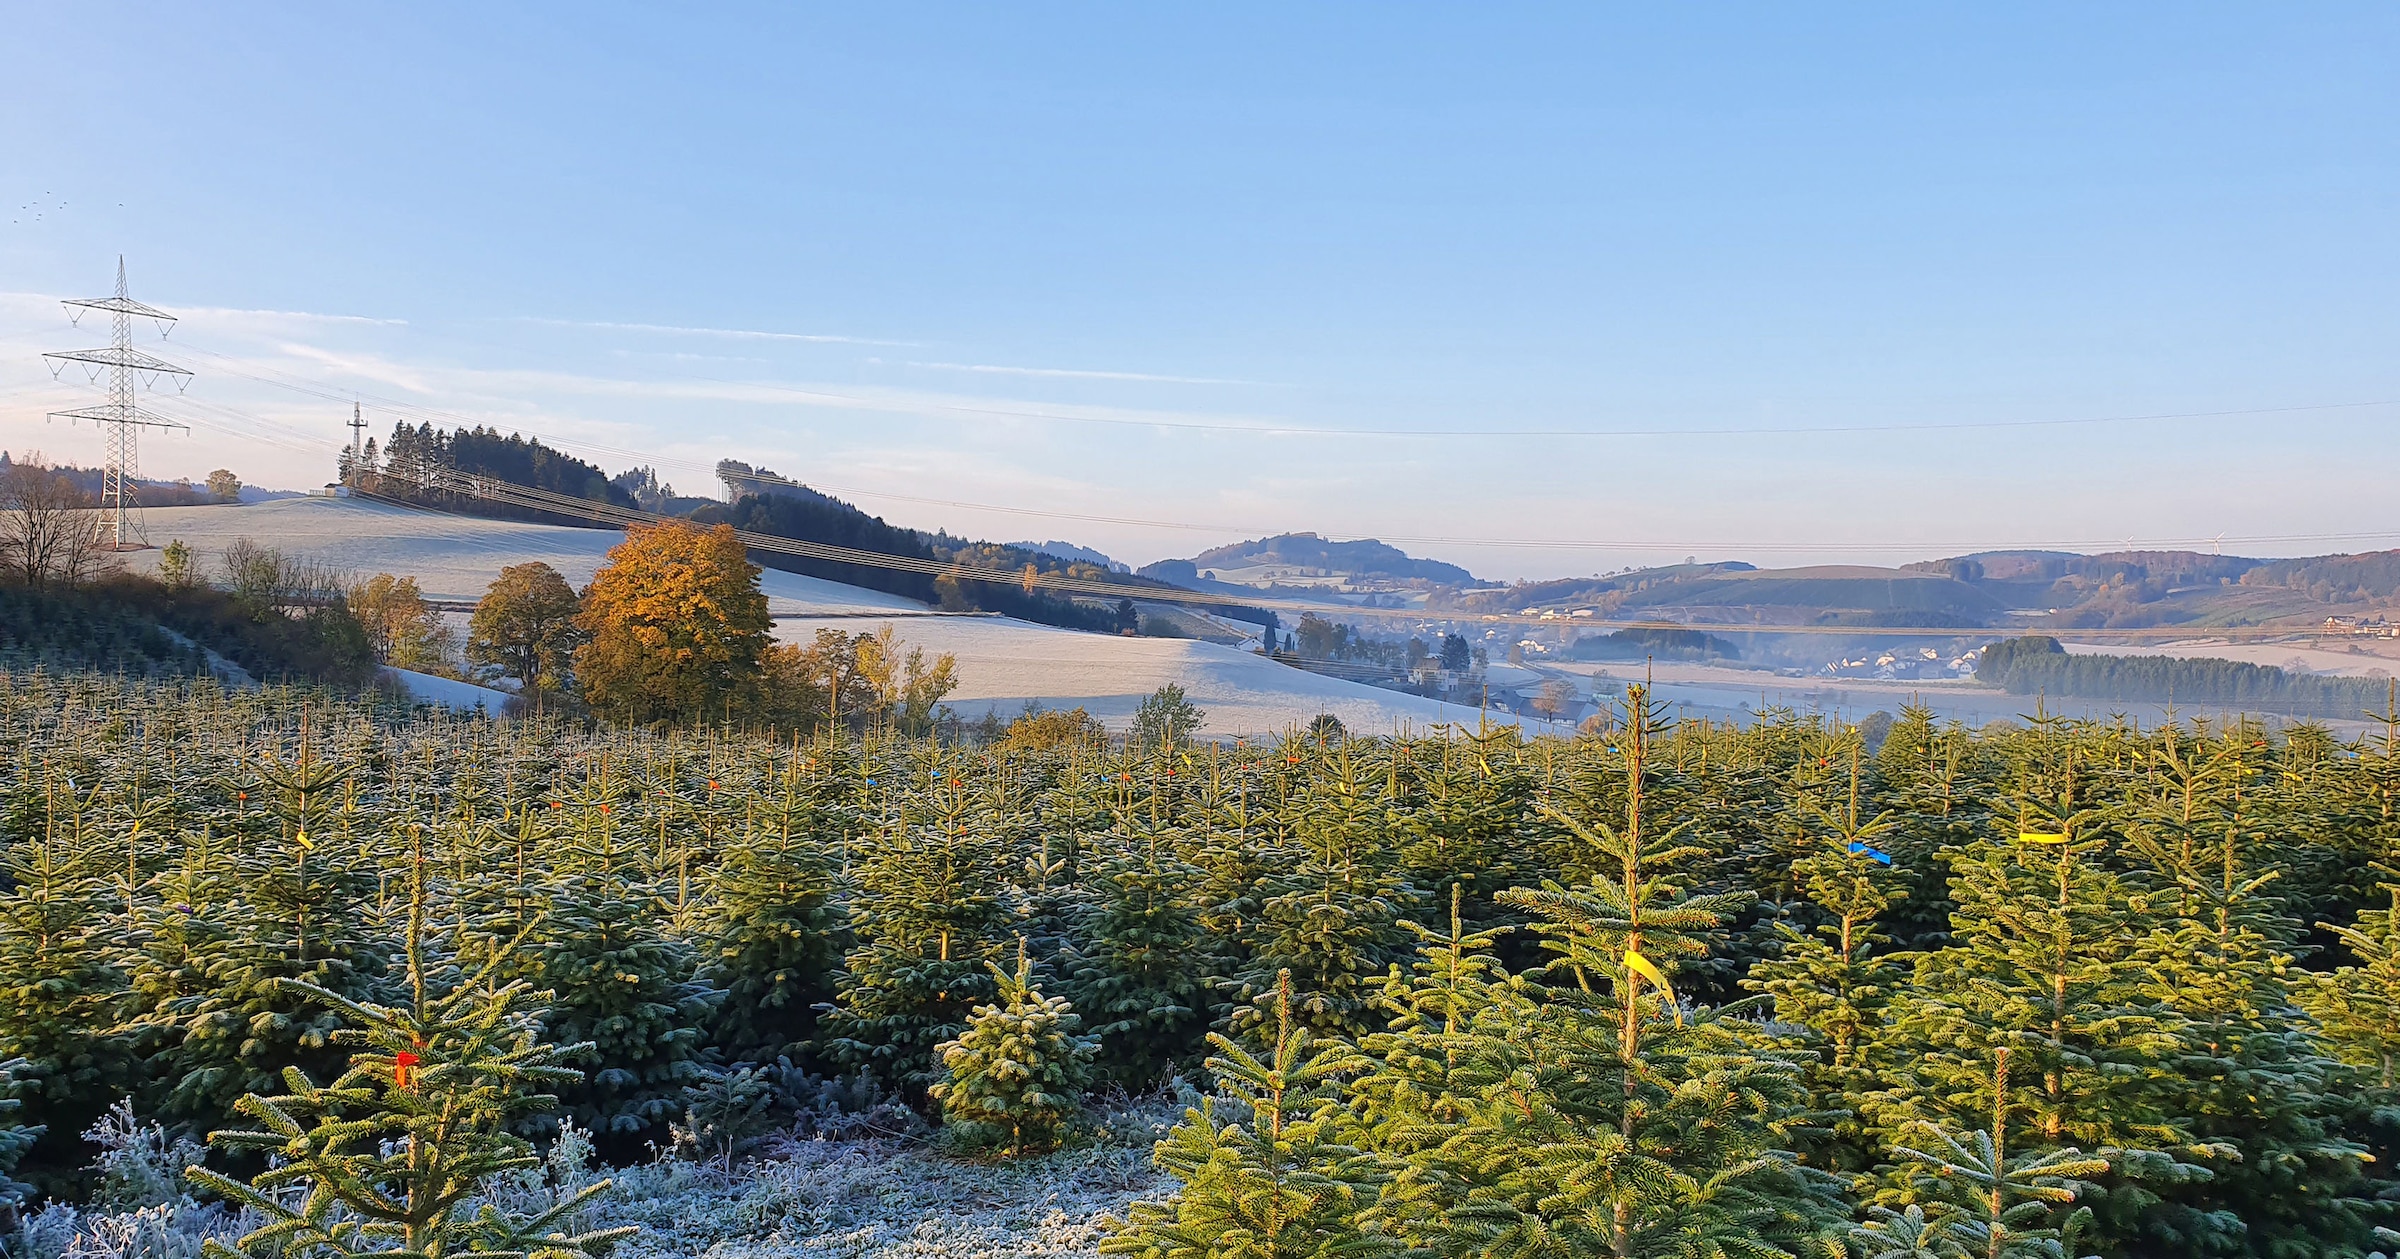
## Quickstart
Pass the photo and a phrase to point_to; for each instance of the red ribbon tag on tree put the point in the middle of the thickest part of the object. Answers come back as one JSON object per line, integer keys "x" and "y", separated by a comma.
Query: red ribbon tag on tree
{"x": 401, "y": 1062}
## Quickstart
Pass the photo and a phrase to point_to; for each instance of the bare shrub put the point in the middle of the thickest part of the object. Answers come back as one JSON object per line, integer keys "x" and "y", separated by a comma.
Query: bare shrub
{"x": 266, "y": 581}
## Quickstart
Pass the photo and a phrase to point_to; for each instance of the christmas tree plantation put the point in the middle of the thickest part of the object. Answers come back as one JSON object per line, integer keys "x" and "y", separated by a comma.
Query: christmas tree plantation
{"x": 1669, "y": 989}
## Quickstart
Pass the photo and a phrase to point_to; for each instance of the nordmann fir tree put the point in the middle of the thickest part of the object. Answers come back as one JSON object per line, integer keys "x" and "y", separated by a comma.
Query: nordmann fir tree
{"x": 301, "y": 890}
{"x": 1226, "y": 842}
{"x": 1974, "y": 1199}
{"x": 58, "y": 985}
{"x": 1617, "y": 1121}
{"x": 2045, "y": 964}
{"x": 1448, "y": 1041}
{"x": 1049, "y": 872}
{"x": 1273, "y": 1179}
{"x": 386, "y": 1160}
{"x": 1838, "y": 979}
{"x": 775, "y": 931}
{"x": 620, "y": 979}
{"x": 931, "y": 906}
{"x": 2358, "y": 1007}
{"x": 1331, "y": 913}
{"x": 2253, "y": 1083}
{"x": 180, "y": 932}
{"x": 1467, "y": 823}
{"x": 1939, "y": 804}
{"x": 16, "y": 1139}
{"x": 1140, "y": 975}
{"x": 1018, "y": 1072}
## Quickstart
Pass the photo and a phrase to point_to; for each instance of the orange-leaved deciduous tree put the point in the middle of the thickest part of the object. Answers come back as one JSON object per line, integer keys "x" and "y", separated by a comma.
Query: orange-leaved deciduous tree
{"x": 525, "y": 626}
{"x": 677, "y": 627}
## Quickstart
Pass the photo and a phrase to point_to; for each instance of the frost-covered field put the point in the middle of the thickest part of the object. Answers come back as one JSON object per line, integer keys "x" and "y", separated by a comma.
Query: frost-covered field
{"x": 865, "y": 1199}
{"x": 453, "y": 557}
{"x": 458, "y": 697}
{"x": 1004, "y": 663}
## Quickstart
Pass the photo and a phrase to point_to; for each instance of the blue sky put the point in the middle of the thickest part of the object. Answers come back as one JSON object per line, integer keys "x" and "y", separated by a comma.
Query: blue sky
{"x": 1059, "y": 259}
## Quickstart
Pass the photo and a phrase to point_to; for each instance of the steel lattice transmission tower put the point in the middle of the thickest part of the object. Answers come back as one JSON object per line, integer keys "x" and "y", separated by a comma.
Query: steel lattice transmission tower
{"x": 119, "y": 418}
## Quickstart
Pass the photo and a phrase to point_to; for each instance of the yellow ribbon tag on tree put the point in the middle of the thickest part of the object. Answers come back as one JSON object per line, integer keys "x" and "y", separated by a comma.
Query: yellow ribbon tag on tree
{"x": 2040, "y": 837}
{"x": 303, "y": 840}
{"x": 1635, "y": 962}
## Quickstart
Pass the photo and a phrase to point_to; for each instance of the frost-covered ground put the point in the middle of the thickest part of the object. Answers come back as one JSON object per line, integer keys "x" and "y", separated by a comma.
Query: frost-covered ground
{"x": 453, "y": 558}
{"x": 1004, "y": 663}
{"x": 879, "y": 1200}
{"x": 457, "y": 696}
{"x": 808, "y": 1199}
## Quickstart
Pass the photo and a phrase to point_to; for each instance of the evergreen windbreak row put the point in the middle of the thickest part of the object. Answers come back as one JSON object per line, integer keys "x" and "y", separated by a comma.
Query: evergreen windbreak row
{"x": 2045, "y": 988}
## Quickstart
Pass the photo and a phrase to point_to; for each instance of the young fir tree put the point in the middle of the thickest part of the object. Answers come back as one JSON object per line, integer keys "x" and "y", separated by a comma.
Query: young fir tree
{"x": 1140, "y": 972}
{"x": 1448, "y": 1016}
{"x": 58, "y": 992}
{"x": 2046, "y": 963}
{"x": 1227, "y": 843}
{"x": 1019, "y": 1070}
{"x": 1331, "y": 916}
{"x": 1940, "y": 803}
{"x": 1468, "y": 824}
{"x": 178, "y": 935}
{"x": 931, "y": 907}
{"x": 385, "y": 1160}
{"x": 622, "y": 982}
{"x": 302, "y": 889}
{"x": 15, "y": 1140}
{"x": 2358, "y": 1008}
{"x": 776, "y": 935}
{"x": 2253, "y": 1083}
{"x": 1838, "y": 980}
{"x": 1616, "y": 1120}
{"x": 1275, "y": 1179}
{"x": 1972, "y": 1198}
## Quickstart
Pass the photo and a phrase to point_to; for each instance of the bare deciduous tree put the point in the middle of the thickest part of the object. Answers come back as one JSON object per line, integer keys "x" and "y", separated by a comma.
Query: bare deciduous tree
{"x": 51, "y": 533}
{"x": 267, "y": 582}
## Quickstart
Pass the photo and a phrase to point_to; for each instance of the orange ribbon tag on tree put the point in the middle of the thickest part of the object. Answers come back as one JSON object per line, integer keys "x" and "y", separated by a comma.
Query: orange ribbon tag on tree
{"x": 401, "y": 1062}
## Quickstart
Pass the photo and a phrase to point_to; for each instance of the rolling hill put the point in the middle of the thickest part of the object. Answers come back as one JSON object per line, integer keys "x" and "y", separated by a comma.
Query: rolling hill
{"x": 1002, "y": 662}
{"x": 2012, "y": 589}
{"x": 1305, "y": 559}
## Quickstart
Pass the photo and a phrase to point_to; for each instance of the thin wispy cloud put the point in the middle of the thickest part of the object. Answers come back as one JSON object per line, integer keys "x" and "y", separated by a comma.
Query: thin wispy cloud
{"x": 19, "y": 299}
{"x": 1071, "y": 373}
{"x": 521, "y": 386}
{"x": 281, "y": 316}
{"x": 745, "y": 334}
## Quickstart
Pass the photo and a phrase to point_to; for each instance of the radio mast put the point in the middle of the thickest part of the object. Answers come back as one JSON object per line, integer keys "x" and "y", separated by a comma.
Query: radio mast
{"x": 355, "y": 474}
{"x": 119, "y": 418}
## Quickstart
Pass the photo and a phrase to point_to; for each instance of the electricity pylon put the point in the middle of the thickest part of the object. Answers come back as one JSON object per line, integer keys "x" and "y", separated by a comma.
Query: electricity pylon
{"x": 119, "y": 418}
